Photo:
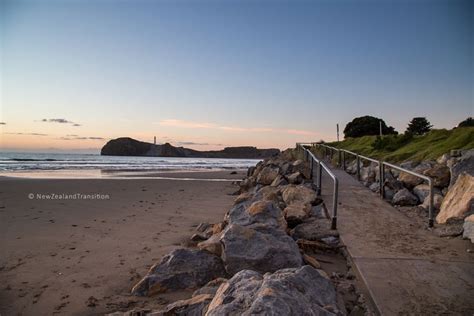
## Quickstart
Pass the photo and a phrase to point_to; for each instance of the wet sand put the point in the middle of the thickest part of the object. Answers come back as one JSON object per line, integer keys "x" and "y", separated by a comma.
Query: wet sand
{"x": 81, "y": 257}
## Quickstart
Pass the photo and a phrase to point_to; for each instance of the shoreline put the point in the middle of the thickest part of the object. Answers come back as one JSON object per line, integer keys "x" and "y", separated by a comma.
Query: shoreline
{"x": 81, "y": 257}
{"x": 208, "y": 174}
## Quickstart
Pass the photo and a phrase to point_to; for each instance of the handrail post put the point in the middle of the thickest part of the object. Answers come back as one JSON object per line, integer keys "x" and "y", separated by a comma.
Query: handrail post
{"x": 381, "y": 178}
{"x": 320, "y": 173}
{"x": 334, "y": 205}
{"x": 430, "y": 208}
{"x": 358, "y": 167}
{"x": 343, "y": 160}
{"x": 311, "y": 168}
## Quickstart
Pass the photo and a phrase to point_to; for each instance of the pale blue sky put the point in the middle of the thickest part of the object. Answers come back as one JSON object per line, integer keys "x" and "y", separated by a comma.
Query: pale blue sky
{"x": 264, "y": 73}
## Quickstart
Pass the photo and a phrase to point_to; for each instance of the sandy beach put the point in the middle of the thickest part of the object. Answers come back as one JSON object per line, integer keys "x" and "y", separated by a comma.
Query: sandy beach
{"x": 81, "y": 257}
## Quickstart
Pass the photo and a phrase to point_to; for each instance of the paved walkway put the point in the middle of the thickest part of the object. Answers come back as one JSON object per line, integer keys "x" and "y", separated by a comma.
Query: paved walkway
{"x": 406, "y": 268}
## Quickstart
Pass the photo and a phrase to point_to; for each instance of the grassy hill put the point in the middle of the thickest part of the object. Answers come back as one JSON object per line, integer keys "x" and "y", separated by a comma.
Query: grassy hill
{"x": 398, "y": 148}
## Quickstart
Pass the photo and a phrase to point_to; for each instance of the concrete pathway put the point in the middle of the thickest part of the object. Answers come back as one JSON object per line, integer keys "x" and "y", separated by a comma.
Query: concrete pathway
{"x": 407, "y": 269}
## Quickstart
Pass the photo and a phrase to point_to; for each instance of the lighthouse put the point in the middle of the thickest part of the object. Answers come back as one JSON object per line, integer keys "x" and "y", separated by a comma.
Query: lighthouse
{"x": 154, "y": 141}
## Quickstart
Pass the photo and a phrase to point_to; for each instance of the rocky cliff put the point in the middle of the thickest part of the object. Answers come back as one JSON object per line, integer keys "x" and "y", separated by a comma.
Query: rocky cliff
{"x": 126, "y": 146}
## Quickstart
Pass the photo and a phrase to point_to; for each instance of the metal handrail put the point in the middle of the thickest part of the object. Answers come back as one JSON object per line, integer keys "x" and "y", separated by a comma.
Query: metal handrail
{"x": 309, "y": 156}
{"x": 416, "y": 174}
{"x": 381, "y": 166}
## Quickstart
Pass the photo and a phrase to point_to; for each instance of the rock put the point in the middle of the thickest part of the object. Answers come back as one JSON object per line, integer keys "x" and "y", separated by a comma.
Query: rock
{"x": 259, "y": 213}
{"x": 374, "y": 187}
{"x": 440, "y": 175}
{"x": 267, "y": 175}
{"x": 202, "y": 227}
{"x": 295, "y": 213}
{"x": 404, "y": 198}
{"x": 195, "y": 306}
{"x": 408, "y": 180}
{"x": 301, "y": 167}
{"x": 313, "y": 229}
{"x": 198, "y": 237}
{"x": 453, "y": 228}
{"x": 411, "y": 181}
{"x": 250, "y": 171}
{"x": 437, "y": 201}
{"x": 181, "y": 269}
{"x": 210, "y": 288}
{"x": 368, "y": 174}
{"x": 246, "y": 196}
{"x": 391, "y": 182}
{"x": 297, "y": 291}
{"x": 469, "y": 228}
{"x": 317, "y": 211}
{"x": 465, "y": 163}
{"x": 269, "y": 193}
{"x": 388, "y": 193}
{"x": 218, "y": 227}
{"x": 443, "y": 160}
{"x": 295, "y": 178}
{"x": 247, "y": 184}
{"x": 459, "y": 200}
{"x": 422, "y": 191}
{"x": 265, "y": 249}
{"x": 279, "y": 180}
{"x": 312, "y": 261}
{"x": 212, "y": 245}
{"x": 352, "y": 167}
{"x": 298, "y": 194}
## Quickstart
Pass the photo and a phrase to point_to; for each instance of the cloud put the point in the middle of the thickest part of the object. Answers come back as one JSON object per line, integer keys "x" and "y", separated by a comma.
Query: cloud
{"x": 30, "y": 134}
{"x": 188, "y": 124}
{"x": 3, "y": 123}
{"x": 60, "y": 121}
{"x": 75, "y": 137}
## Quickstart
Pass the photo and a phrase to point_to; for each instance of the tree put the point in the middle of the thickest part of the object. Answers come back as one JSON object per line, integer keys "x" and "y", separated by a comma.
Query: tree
{"x": 469, "y": 122}
{"x": 419, "y": 126}
{"x": 367, "y": 125}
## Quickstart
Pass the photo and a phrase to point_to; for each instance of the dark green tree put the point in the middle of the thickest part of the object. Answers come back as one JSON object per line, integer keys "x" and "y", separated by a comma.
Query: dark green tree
{"x": 367, "y": 125}
{"x": 419, "y": 126}
{"x": 469, "y": 122}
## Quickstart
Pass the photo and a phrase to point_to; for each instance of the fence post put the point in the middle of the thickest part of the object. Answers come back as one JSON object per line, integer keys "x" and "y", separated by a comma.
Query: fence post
{"x": 334, "y": 205}
{"x": 320, "y": 174}
{"x": 344, "y": 160}
{"x": 430, "y": 210}
{"x": 358, "y": 168}
{"x": 381, "y": 178}
{"x": 311, "y": 168}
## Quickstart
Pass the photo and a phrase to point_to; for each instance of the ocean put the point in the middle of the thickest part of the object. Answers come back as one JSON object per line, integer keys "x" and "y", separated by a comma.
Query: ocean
{"x": 12, "y": 162}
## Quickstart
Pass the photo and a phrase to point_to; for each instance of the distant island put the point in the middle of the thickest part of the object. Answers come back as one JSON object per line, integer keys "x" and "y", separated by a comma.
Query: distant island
{"x": 126, "y": 146}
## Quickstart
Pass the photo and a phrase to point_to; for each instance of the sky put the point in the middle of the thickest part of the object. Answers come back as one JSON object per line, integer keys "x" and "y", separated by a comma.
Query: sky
{"x": 210, "y": 74}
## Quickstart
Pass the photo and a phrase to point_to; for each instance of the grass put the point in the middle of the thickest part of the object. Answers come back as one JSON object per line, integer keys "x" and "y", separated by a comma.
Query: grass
{"x": 398, "y": 148}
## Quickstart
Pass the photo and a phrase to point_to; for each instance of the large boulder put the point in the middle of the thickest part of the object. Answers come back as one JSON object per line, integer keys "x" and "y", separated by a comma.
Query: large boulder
{"x": 440, "y": 175}
{"x": 301, "y": 167}
{"x": 465, "y": 163}
{"x": 296, "y": 213}
{"x": 422, "y": 191}
{"x": 181, "y": 269}
{"x": 295, "y": 178}
{"x": 259, "y": 213}
{"x": 411, "y": 181}
{"x": 279, "y": 180}
{"x": 265, "y": 249}
{"x": 297, "y": 291}
{"x": 469, "y": 228}
{"x": 298, "y": 194}
{"x": 458, "y": 202}
{"x": 267, "y": 175}
{"x": 313, "y": 229}
{"x": 437, "y": 201}
{"x": 212, "y": 245}
{"x": 368, "y": 174}
{"x": 404, "y": 198}
{"x": 195, "y": 306}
